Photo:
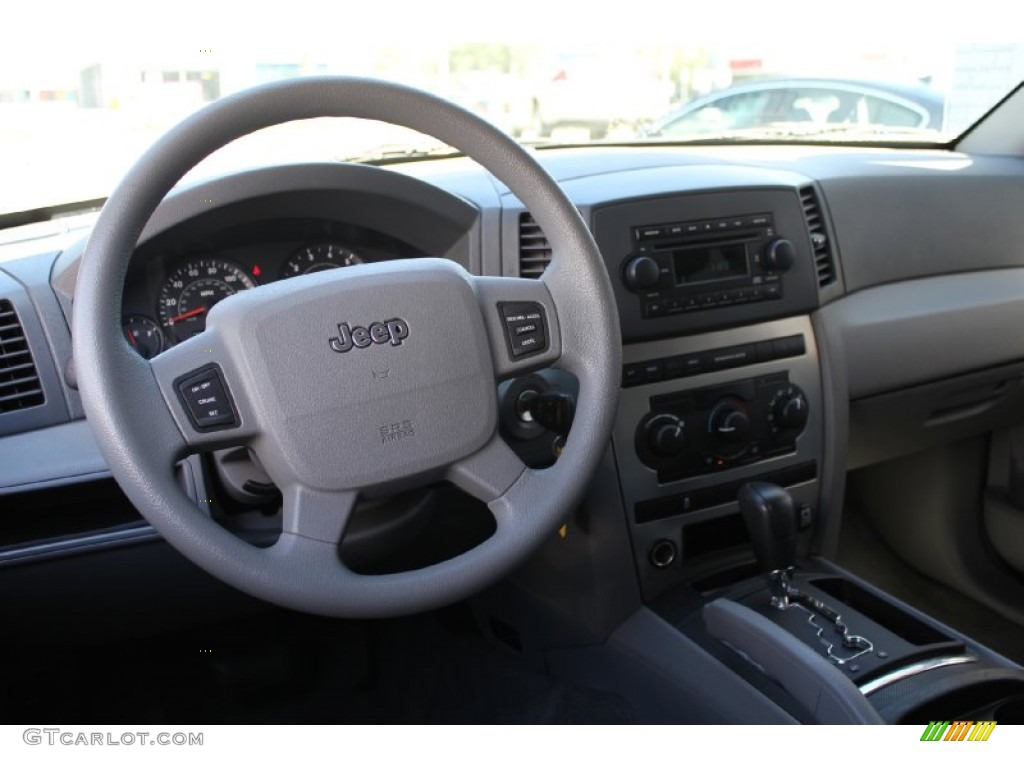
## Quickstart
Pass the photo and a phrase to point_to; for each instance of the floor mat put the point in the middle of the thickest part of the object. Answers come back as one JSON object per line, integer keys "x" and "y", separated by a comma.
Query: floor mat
{"x": 290, "y": 668}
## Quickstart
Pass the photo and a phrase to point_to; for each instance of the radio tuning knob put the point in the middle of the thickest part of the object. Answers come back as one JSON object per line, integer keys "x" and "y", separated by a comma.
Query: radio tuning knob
{"x": 641, "y": 273}
{"x": 779, "y": 255}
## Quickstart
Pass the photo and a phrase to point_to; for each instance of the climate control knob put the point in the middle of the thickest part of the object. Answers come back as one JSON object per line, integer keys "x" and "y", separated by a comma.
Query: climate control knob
{"x": 779, "y": 255}
{"x": 729, "y": 426}
{"x": 666, "y": 436}
{"x": 641, "y": 273}
{"x": 789, "y": 409}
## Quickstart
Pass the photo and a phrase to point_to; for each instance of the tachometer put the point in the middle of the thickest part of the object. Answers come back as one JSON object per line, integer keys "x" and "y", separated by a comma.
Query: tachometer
{"x": 316, "y": 258}
{"x": 193, "y": 290}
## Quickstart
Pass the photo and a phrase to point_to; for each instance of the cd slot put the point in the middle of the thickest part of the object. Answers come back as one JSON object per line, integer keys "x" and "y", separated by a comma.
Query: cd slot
{"x": 712, "y": 238}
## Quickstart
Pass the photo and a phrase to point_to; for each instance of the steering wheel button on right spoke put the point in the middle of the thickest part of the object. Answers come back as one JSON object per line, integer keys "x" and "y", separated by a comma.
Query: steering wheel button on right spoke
{"x": 525, "y": 328}
{"x": 206, "y": 399}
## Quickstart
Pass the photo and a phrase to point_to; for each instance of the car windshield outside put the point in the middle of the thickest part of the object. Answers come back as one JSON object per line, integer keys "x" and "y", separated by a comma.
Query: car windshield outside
{"x": 84, "y": 90}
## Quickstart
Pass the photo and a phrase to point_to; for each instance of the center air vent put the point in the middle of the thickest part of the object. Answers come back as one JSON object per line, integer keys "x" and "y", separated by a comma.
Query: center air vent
{"x": 824, "y": 259}
{"x": 19, "y": 382}
{"x": 534, "y": 249}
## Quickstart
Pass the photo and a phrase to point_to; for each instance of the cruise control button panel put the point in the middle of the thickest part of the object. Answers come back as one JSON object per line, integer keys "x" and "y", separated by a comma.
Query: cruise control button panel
{"x": 206, "y": 399}
{"x": 525, "y": 328}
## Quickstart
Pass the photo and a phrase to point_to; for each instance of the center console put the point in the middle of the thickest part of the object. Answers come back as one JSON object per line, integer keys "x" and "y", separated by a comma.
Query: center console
{"x": 702, "y": 413}
{"x": 719, "y": 444}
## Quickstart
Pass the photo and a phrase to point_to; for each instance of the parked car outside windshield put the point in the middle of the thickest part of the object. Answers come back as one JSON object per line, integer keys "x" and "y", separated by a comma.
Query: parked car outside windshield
{"x": 810, "y": 105}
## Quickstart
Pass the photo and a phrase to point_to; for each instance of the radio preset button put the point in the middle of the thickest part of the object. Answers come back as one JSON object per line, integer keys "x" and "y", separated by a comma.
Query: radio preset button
{"x": 649, "y": 233}
{"x": 654, "y": 309}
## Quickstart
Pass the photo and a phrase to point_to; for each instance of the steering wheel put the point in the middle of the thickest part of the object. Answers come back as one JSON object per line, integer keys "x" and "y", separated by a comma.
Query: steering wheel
{"x": 350, "y": 381}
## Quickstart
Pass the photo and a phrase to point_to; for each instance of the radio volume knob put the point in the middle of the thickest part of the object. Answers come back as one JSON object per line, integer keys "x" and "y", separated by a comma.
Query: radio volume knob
{"x": 779, "y": 255}
{"x": 641, "y": 273}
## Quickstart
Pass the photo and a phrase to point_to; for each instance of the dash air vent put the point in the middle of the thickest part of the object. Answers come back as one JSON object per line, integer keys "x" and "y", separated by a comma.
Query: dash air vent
{"x": 824, "y": 260}
{"x": 19, "y": 383}
{"x": 534, "y": 249}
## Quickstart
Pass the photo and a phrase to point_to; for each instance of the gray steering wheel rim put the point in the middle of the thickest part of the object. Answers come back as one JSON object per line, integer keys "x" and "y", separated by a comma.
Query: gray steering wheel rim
{"x": 130, "y": 438}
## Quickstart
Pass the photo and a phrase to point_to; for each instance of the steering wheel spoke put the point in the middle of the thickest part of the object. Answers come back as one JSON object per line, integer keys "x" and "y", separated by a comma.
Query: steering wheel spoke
{"x": 522, "y": 324}
{"x": 204, "y": 393}
{"x": 316, "y": 514}
{"x": 489, "y": 472}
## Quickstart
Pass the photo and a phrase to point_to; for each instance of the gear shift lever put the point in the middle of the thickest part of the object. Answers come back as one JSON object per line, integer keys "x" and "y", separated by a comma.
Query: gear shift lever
{"x": 768, "y": 512}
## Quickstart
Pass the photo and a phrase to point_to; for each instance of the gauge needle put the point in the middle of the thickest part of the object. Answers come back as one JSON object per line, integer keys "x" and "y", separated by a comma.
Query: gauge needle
{"x": 131, "y": 338}
{"x": 187, "y": 315}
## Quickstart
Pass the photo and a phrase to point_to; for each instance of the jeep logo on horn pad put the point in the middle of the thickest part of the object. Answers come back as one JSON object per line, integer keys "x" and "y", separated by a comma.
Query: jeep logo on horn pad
{"x": 394, "y": 331}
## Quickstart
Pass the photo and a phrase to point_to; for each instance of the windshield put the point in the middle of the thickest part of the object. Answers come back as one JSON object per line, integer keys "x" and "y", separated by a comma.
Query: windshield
{"x": 85, "y": 88}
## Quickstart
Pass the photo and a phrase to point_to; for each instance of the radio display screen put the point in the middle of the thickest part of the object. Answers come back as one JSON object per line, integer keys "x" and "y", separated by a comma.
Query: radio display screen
{"x": 709, "y": 262}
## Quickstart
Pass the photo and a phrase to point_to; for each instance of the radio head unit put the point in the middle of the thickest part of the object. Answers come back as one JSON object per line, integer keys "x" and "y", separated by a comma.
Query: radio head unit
{"x": 737, "y": 258}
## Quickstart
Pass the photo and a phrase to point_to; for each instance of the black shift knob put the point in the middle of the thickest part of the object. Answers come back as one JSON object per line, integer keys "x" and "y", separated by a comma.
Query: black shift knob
{"x": 768, "y": 512}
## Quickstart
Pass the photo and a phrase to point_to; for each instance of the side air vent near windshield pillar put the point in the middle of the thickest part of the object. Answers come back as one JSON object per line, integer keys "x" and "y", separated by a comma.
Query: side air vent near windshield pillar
{"x": 824, "y": 259}
{"x": 534, "y": 249}
{"x": 19, "y": 382}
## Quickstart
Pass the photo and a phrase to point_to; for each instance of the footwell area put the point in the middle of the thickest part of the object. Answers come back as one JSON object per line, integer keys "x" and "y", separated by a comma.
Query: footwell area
{"x": 289, "y": 668}
{"x": 862, "y": 551}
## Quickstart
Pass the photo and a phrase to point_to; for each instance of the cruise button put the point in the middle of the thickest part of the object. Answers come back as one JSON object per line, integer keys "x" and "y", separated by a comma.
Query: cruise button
{"x": 206, "y": 400}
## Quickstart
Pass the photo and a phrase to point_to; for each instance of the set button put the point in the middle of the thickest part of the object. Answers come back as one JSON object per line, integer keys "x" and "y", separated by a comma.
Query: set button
{"x": 206, "y": 399}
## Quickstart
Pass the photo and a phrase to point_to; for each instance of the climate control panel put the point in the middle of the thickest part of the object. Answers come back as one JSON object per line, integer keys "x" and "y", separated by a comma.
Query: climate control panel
{"x": 707, "y": 430}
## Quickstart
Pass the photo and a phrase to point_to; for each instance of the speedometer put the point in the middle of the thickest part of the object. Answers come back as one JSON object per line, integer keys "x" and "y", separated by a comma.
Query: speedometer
{"x": 192, "y": 291}
{"x": 316, "y": 258}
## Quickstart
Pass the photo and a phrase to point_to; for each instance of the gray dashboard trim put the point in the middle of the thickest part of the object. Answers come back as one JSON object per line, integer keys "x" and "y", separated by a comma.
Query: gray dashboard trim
{"x": 835, "y": 413}
{"x": 894, "y": 336}
{"x": 57, "y": 455}
{"x": 49, "y": 550}
{"x": 662, "y": 181}
{"x": 923, "y": 222}
{"x": 372, "y": 184}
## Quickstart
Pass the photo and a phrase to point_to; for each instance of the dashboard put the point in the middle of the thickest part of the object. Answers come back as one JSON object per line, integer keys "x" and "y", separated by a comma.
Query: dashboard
{"x": 788, "y": 314}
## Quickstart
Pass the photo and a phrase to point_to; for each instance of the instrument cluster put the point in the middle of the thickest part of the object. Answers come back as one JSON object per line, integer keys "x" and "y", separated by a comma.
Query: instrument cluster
{"x": 175, "y": 282}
